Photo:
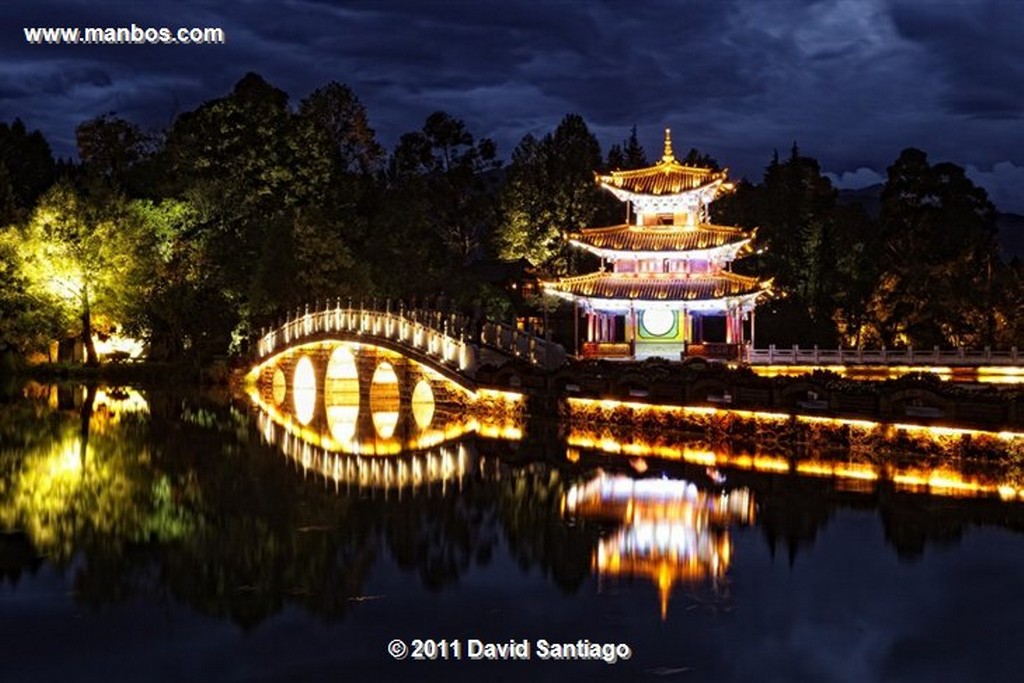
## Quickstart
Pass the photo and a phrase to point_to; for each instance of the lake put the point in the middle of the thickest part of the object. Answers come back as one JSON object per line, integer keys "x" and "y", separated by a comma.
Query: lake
{"x": 154, "y": 535}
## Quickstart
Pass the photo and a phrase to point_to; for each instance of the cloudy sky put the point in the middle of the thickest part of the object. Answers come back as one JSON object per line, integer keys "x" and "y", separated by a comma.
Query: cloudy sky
{"x": 851, "y": 81}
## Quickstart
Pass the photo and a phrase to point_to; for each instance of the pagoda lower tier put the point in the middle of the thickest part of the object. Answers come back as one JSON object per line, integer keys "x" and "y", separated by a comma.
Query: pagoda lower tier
{"x": 663, "y": 314}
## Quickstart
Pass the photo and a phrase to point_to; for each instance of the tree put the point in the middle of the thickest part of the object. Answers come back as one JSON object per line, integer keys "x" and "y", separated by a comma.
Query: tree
{"x": 109, "y": 147}
{"x": 550, "y": 192}
{"x": 29, "y": 169}
{"x": 334, "y": 117}
{"x": 451, "y": 172}
{"x": 938, "y": 256}
{"x": 90, "y": 253}
{"x": 627, "y": 155}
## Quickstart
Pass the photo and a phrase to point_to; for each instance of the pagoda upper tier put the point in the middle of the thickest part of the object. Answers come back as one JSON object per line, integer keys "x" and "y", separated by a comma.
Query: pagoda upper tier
{"x": 667, "y": 192}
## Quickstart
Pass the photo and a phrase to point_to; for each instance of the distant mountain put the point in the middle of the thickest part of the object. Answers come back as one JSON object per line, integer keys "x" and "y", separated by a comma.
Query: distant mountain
{"x": 870, "y": 198}
{"x": 1010, "y": 225}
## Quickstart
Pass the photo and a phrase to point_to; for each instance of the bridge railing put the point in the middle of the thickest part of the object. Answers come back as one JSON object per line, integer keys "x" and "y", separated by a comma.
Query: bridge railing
{"x": 514, "y": 342}
{"x": 452, "y": 339}
{"x": 428, "y": 335}
{"x": 796, "y": 355}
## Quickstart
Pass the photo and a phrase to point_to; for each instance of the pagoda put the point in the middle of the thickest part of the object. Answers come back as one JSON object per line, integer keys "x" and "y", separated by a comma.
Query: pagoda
{"x": 666, "y": 286}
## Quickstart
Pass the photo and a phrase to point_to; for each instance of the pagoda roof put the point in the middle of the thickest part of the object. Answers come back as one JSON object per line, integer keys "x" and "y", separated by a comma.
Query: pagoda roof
{"x": 628, "y": 238}
{"x": 667, "y": 177}
{"x": 658, "y": 287}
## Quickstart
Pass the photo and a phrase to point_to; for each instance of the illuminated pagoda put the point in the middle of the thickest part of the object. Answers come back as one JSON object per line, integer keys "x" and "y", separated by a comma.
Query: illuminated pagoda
{"x": 670, "y": 269}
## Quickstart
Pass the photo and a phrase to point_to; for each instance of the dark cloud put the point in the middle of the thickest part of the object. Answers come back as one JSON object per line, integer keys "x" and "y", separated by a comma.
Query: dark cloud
{"x": 853, "y": 82}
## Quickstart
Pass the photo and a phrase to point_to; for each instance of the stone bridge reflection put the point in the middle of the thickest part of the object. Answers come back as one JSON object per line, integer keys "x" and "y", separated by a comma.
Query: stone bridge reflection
{"x": 670, "y": 530}
{"x": 347, "y": 397}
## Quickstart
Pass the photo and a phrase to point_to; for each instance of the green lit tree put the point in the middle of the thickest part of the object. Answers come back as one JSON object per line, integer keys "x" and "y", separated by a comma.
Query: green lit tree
{"x": 550, "y": 191}
{"x": 88, "y": 254}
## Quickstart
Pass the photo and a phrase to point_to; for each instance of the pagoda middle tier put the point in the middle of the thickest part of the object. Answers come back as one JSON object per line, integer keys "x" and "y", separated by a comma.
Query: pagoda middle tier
{"x": 621, "y": 292}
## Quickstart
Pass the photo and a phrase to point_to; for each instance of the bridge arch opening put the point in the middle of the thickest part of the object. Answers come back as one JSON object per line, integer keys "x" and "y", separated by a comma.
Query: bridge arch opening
{"x": 341, "y": 394}
{"x": 423, "y": 404}
{"x": 384, "y": 400}
{"x": 304, "y": 390}
{"x": 279, "y": 387}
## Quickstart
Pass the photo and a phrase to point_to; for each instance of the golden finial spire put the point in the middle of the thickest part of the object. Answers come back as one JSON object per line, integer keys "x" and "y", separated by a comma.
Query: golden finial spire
{"x": 668, "y": 156}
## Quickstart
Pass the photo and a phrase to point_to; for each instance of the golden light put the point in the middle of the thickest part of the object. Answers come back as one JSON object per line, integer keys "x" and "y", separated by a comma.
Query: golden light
{"x": 341, "y": 394}
{"x": 671, "y": 530}
{"x": 981, "y": 375}
{"x": 384, "y": 400}
{"x": 304, "y": 390}
{"x": 423, "y": 404}
{"x": 280, "y": 386}
{"x": 592, "y": 427}
{"x": 119, "y": 346}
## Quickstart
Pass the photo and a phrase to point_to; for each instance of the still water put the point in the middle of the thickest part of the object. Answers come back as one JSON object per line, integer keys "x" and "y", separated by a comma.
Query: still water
{"x": 155, "y": 536}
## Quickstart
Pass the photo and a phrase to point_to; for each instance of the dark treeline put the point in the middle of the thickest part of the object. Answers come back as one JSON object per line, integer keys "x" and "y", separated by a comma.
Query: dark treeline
{"x": 249, "y": 207}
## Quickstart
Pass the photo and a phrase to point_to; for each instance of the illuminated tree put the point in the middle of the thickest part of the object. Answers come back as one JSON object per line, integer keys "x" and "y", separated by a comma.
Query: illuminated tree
{"x": 90, "y": 254}
{"x": 550, "y": 191}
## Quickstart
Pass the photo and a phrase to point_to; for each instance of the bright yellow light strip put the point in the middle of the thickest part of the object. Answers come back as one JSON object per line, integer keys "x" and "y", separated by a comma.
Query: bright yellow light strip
{"x": 940, "y": 481}
{"x": 992, "y": 374}
{"x": 935, "y": 431}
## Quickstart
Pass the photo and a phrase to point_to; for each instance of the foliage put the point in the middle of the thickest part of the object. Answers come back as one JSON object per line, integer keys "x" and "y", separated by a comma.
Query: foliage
{"x": 937, "y": 258}
{"x": 89, "y": 256}
{"x": 247, "y": 208}
{"x": 549, "y": 192}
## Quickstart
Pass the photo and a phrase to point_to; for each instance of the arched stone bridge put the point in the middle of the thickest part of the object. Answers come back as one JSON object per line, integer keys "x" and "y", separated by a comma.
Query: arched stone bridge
{"x": 448, "y": 343}
{"x": 347, "y": 371}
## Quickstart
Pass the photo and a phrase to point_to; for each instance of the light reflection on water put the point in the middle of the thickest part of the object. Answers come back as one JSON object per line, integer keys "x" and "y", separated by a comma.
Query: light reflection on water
{"x": 670, "y": 530}
{"x": 237, "y": 512}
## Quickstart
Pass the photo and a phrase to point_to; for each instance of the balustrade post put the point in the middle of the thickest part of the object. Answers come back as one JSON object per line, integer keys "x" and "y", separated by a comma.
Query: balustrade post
{"x": 1013, "y": 354}
{"x": 988, "y": 353}
{"x": 910, "y": 353}
{"x": 815, "y": 354}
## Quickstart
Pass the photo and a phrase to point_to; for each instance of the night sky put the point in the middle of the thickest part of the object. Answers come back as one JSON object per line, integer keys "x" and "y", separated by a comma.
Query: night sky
{"x": 852, "y": 82}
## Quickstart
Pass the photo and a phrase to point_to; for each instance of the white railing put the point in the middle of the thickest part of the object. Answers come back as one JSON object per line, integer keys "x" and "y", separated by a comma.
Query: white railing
{"x": 796, "y": 355}
{"x": 514, "y": 342}
{"x": 446, "y": 338}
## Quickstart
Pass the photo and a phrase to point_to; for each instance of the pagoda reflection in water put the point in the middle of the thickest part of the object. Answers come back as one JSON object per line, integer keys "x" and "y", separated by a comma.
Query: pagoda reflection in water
{"x": 672, "y": 531}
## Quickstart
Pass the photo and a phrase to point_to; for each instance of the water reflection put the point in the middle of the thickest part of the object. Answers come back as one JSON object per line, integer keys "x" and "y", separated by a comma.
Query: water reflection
{"x": 860, "y": 454}
{"x": 390, "y": 426}
{"x": 671, "y": 531}
{"x": 175, "y": 503}
{"x": 84, "y": 470}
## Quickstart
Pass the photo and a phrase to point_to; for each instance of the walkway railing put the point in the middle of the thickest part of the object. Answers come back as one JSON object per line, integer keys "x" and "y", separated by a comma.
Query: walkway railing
{"x": 450, "y": 339}
{"x": 904, "y": 356}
